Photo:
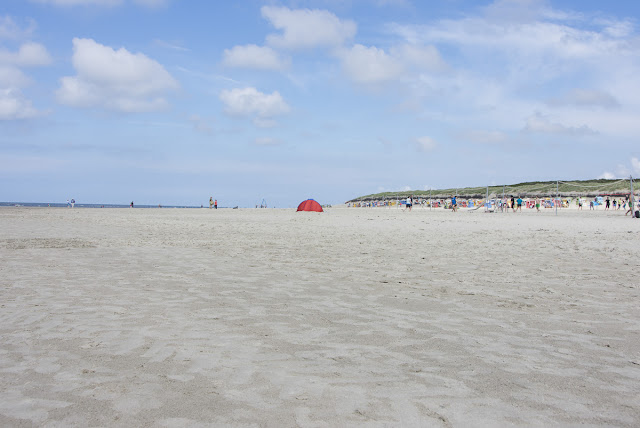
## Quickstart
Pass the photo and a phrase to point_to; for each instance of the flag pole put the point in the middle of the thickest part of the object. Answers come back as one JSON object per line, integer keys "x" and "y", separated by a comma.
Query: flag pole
{"x": 557, "y": 191}
{"x": 631, "y": 202}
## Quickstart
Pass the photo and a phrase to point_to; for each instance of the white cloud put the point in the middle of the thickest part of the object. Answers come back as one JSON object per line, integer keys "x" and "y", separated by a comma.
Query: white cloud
{"x": 251, "y": 102}
{"x": 528, "y": 41}
{"x": 115, "y": 79}
{"x": 252, "y": 56}
{"x": 29, "y": 55}
{"x": 425, "y": 58}
{"x": 9, "y": 29}
{"x": 305, "y": 28}
{"x": 369, "y": 65}
{"x": 541, "y": 124}
{"x": 617, "y": 29}
{"x": 426, "y": 144}
{"x": 13, "y": 105}
{"x": 607, "y": 176}
{"x": 535, "y": 40}
{"x": 372, "y": 65}
{"x": 12, "y": 77}
{"x": 585, "y": 98}
{"x": 517, "y": 57}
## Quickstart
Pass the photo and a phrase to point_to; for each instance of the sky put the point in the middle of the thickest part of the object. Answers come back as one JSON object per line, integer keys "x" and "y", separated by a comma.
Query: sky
{"x": 175, "y": 101}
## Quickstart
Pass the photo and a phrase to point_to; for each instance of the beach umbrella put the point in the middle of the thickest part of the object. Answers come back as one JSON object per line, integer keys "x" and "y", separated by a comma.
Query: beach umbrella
{"x": 310, "y": 205}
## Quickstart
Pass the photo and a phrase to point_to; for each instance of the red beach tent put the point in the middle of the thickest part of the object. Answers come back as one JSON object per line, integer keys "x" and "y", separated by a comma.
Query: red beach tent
{"x": 310, "y": 205}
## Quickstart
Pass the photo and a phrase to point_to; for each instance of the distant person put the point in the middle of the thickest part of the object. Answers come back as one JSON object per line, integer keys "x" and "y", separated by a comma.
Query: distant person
{"x": 68, "y": 203}
{"x": 537, "y": 204}
{"x": 519, "y": 202}
{"x": 607, "y": 203}
{"x": 630, "y": 210}
{"x": 73, "y": 203}
{"x": 454, "y": 204}
{"x": 408, "y": 204}
{"x": 210, "y": 202}
{"x": 131, "y": 205}
{"x": 614, "y": 204}
{"x": 513, "y": 204}
{"x": 592, "y": 204}
{"x": 579, "y": 203}
{"x": 215, "y": 204}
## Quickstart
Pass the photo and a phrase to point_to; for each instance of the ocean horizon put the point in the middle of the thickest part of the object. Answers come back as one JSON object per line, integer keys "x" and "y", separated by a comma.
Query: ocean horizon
{"x": 77, "y": 205}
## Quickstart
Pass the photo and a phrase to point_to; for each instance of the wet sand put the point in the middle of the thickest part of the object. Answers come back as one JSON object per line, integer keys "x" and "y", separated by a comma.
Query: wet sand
{"x": 353, "y": 317}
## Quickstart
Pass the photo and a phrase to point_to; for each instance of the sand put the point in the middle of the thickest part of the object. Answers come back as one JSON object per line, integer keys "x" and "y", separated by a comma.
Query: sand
{"x": 353, "y": 317}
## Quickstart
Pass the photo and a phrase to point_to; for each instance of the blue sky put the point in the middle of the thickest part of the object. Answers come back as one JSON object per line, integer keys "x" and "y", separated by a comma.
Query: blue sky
{"x": 167, "y": 101}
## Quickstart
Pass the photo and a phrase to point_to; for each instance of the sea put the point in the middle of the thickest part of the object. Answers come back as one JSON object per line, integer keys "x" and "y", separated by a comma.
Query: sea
{"x": 77, "y": 205}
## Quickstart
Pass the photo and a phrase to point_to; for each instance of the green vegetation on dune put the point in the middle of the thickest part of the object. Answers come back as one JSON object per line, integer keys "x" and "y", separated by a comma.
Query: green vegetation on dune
{"x": 586, "y": 188}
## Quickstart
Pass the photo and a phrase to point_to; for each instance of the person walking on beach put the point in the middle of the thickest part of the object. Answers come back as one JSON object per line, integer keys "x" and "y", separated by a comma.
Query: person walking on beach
{"x": 537, "y": 204}
{"x": 591, "y": 205}
{"x": 630, "y": 210}
{"x": 454, "y": 203}
{"x": 210, "y": 202}
{"x": 408, "y": 204}
{"x": 513, "y": 204}
{"x": 580, "y": 203}
{"x": 73, "y": 203}
{"x": 606, "y": 204}
{"x": 131, "y": 205}
{"x": 519, "y": 202}
{"x": 68, "y": 204}
{"x": 215, "y": 204}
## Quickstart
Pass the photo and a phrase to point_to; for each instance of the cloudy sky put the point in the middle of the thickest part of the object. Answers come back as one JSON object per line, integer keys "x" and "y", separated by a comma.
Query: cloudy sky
{"x": 168, "y": 101}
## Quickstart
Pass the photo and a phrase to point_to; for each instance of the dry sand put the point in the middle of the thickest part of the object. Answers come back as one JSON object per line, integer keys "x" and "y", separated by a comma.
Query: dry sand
{"x": 353, "y": 317}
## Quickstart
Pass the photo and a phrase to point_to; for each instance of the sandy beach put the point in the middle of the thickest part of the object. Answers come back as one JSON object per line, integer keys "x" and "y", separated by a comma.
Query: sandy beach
{"x": 352, "y": 317}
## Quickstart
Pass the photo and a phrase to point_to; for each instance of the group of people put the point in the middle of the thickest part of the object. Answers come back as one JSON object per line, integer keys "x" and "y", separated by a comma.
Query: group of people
{"x": 213, "y": 203}
{"x": 71, "y": 203}
{"x": 409, "y": 203}
{"x": 610, "y": 204}
{"x": 515, "y": 204}
{"x": 617, "y": 204}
